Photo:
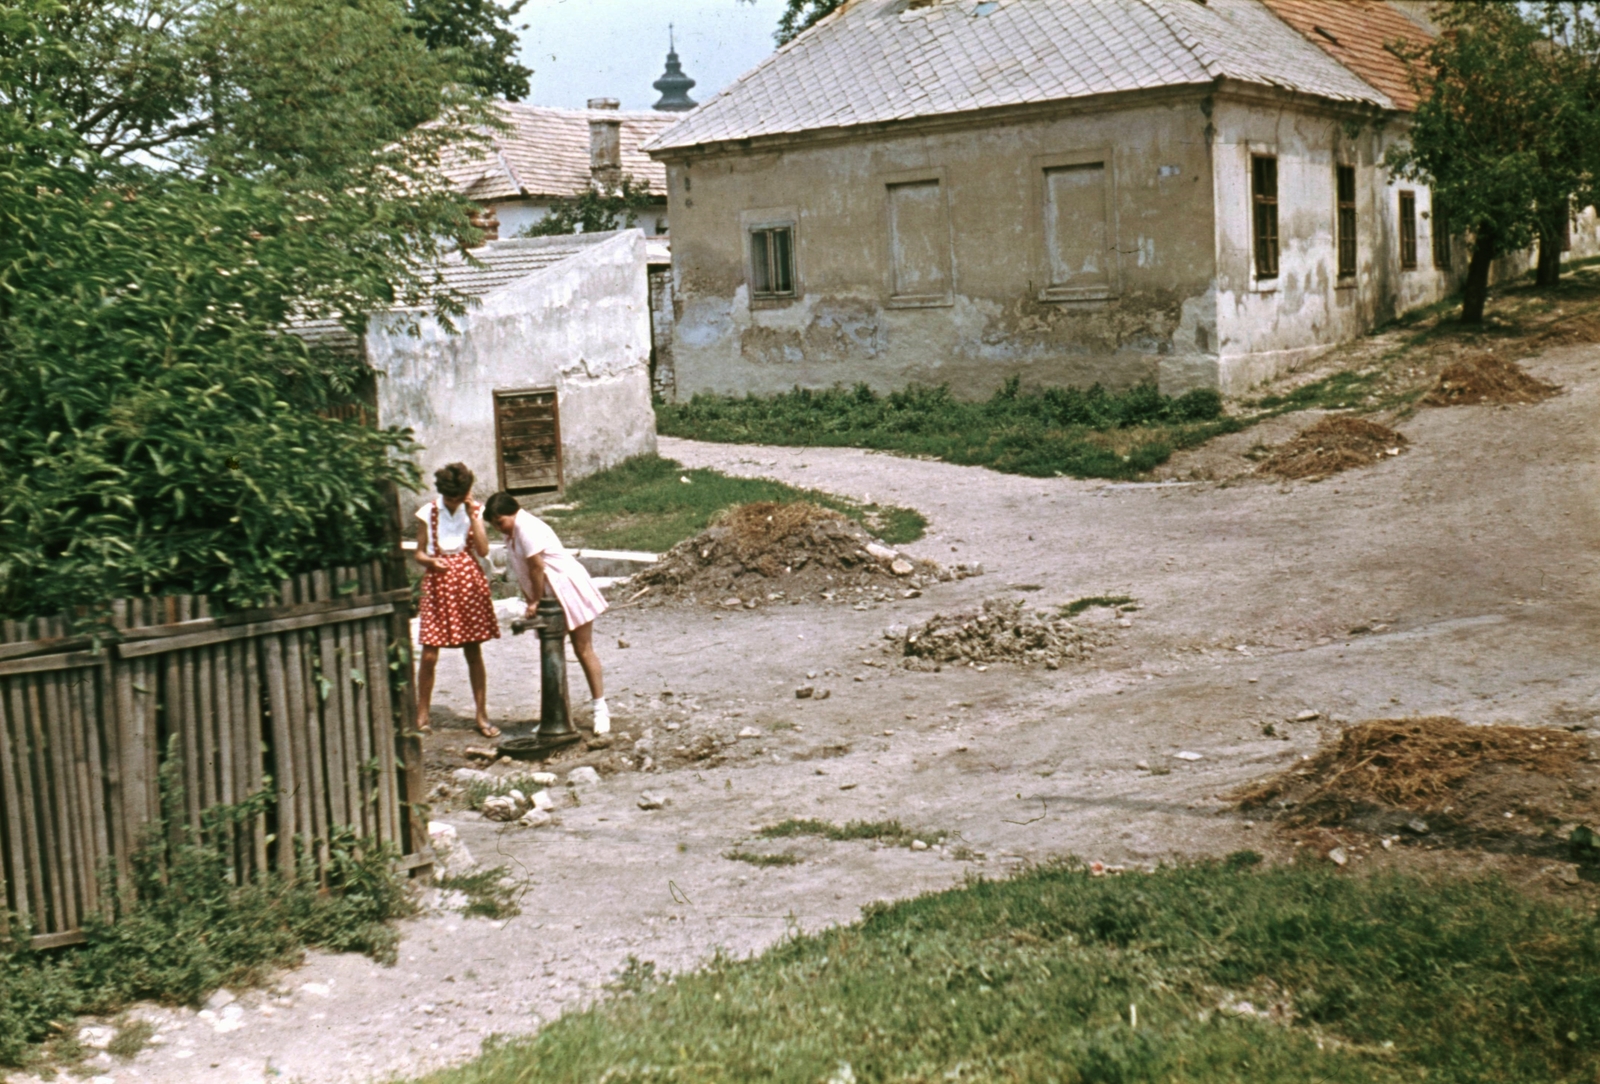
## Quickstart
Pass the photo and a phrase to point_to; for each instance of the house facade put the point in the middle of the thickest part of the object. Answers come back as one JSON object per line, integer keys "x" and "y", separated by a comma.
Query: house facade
{"x": 1189, "y": 192}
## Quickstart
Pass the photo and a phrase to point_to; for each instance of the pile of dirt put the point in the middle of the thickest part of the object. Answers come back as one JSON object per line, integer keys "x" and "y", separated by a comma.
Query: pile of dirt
{"x": 1333, "y": 445}
{"x": 1487, "y": 379}
{"x": 1437, "y": 775}
{"x": 770, "y": 551}
{"x": 1571, "y": 331}
{"x": 1004, "y": 630}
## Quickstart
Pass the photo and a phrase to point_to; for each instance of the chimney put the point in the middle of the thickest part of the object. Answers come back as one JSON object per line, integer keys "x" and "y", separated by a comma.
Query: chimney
{"x": 605, "y": 146}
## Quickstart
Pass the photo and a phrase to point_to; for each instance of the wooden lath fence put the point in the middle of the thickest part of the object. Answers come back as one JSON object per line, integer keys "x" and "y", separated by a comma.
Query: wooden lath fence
{"x": 312, "y": 697}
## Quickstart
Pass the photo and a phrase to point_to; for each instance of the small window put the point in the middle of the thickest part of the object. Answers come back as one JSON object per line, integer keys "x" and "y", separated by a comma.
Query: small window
{"x": 772, "y": 263}
{"x": 1264, "y": 193}
{"x": 1346, "y": 177}
{"x": 1441, "y": 240}
{"x": 1408, "y": 231}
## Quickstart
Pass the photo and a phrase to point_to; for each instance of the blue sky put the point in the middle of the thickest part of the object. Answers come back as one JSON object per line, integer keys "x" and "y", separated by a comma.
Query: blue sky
{"x": 581, "y": 49}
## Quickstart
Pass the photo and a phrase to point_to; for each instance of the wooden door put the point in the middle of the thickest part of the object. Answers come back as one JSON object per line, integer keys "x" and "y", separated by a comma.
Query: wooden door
{"x": 527, "y": 437}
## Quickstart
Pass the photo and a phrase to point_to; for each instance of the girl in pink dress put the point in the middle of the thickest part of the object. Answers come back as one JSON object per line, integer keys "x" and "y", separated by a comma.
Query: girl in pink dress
{"x": 544, "y": 569}
{"x": 456, "y": 610}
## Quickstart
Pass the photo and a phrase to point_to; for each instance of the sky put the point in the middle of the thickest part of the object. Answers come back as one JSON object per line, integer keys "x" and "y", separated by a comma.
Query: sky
{"x": 582, "y": 49}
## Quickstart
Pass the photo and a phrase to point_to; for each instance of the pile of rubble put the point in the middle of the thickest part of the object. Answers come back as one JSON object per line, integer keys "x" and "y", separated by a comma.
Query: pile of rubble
{"x": 1004, "y": 630}
{"x": 769, "y": 551}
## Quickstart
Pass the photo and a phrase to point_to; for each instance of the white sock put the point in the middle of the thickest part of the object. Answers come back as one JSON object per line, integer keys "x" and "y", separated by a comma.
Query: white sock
{"x": 602, "y": 716}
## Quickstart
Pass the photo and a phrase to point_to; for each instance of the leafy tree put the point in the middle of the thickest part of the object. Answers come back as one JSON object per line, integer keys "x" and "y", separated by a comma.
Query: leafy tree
{"x": 593, "y": 211}
{"x": 801, "y": 15}
{"x": 479, "y": 31}
{"x": 1492, "y": 133}
{"x": 160, "y": 429}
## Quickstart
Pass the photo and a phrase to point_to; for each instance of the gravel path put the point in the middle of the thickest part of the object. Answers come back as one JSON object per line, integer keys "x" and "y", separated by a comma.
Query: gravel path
{"x": 1470, "y": 560}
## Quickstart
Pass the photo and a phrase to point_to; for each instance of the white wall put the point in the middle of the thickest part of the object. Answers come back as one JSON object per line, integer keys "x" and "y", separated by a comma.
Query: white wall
{"x": 581, "y": 325}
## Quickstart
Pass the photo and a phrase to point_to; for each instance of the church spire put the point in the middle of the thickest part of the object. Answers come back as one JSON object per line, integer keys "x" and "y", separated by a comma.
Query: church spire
{"x": 673, "y": 84}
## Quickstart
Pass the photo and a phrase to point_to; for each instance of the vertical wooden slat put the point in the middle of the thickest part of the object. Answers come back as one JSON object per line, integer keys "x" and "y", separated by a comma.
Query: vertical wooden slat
{"x": 355, "y": 665}
{"x": 18, "y": 811}
{"x": 77, "y": 725}
{"x": 99, "y": 713}
{"x": 219, "y": 725}
{"x": 414, "y": 827}
{"x": 253, "y": 770}
{"x": 303, "y": 732}
{"x": 205, "y": 716}
{"x": 284, "y": 765}
{"x": 38, "y": 761}
{"x": 381, "y": 723}
{"x": 330, "y": 707}
{"x": 56, "y": 732}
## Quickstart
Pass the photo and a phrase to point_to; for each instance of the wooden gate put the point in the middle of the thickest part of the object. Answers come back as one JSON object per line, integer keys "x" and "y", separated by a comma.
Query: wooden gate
{"x": 527, "y": 437}
{"x": 312, "y": 697}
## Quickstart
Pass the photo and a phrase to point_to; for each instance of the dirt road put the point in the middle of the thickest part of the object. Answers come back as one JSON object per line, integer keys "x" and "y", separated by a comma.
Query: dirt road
{"x": 1470, "y": 561}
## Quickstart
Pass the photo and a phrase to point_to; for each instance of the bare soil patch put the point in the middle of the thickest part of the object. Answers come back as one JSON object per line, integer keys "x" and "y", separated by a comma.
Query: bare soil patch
{"x": 768, "y": 551}
{"x": 1003, "y": 630}
{"x": 1487, "y": 379}
{"x": 1332, "y": 445}
{"x": 1502, "y": 788}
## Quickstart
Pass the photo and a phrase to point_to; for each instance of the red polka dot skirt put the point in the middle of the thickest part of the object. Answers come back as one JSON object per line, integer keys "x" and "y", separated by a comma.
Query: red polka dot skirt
{"x": 456, "y": 606}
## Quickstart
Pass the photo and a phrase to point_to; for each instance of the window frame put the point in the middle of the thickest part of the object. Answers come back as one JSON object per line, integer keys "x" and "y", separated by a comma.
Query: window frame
{"x": 1406, "y": 217}
{"x": 766, "y": 221}
{"x": 1041, "y": 166}
{"x": 894, "y": 179}
{"x": 1346, "y": 221}
{"x": 1264, "y": 242}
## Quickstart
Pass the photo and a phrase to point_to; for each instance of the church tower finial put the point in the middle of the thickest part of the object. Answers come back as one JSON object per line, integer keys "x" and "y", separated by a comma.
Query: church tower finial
{"x": 673, "y": 84}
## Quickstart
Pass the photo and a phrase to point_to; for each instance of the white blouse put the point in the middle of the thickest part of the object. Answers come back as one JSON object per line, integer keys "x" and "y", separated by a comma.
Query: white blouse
{"x": 454, "y": 527}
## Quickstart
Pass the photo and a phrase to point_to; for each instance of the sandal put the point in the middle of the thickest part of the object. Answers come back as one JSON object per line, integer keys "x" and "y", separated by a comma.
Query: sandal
{"x": 424, "y": 728}
{"x": 488, "y": 730}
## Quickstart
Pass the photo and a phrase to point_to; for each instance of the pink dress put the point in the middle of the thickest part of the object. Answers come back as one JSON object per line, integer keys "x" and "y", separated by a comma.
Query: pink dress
{"x": 564, "y": 578}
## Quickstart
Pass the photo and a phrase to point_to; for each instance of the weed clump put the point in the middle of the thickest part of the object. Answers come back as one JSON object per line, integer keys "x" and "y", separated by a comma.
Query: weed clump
{"x": 490, "y": 893}
{"x": 1004, "y": 630}
{"x": 891, "y": 831}
{"x": 755, "y": 858}
{"x": 1332, "y": 445}
{"x": 1487, "y": 379}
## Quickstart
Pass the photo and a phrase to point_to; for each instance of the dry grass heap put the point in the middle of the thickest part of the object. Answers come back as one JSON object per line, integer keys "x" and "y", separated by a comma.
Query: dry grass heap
{"x": 1333, "y": 445}
{"x": 1422, "y": 765}
{"x": 753, "y": 549}
{"x": 1489, "y": 379}
{"x": 1004, "y": 630}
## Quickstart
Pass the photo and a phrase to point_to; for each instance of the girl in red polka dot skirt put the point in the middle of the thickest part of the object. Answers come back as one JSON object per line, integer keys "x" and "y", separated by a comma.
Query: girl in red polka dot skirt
{"x": 457, "y": 610}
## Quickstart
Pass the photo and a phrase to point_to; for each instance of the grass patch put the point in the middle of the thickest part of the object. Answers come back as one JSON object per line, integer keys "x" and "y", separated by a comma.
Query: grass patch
{"x": 475, "y": 791}
{"x": 1292, "y": 975}
{"x": 183, "y": 929}
{"x": 644, "y": 504}
{"x": 132, "y": 1036}
{"x": 762, "y": 859}
{"x": 1078, "y": 605}
{"x": 490, "y": 892}
{"x": 1040, "y": 433}
{"x": 892, "y": 832}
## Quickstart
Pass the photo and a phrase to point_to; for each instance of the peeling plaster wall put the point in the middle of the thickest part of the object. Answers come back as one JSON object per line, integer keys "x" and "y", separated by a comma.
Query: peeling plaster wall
{"x": 1268, "y": 326}
{"x": 844, "y": 327}
{"x": 581, "y": 325}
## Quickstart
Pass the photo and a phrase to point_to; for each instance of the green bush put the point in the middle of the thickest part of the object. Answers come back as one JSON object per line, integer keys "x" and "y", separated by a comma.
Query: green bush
{"x": 1082, "y": 432}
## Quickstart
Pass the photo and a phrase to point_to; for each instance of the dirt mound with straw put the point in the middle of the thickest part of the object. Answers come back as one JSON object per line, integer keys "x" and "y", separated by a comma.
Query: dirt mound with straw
{"x": 1487, "y": 379}
{"x": 767, "y": 552}
{"x": 1437, "y": 776}
{"x": 1571, "y": 331}
{"x": 1004, "y": 630}
{"x": 1333, "y": 445}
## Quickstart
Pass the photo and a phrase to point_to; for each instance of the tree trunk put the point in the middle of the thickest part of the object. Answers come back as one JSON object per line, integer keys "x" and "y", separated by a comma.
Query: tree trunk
{"x": 1549, "y": 272}
{"x": 1475, "y": 291}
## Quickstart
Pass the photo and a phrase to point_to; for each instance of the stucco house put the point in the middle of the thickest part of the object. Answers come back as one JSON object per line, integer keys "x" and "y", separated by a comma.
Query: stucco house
{"x": 544, "y": 380}
{"x": 960, "y": 191}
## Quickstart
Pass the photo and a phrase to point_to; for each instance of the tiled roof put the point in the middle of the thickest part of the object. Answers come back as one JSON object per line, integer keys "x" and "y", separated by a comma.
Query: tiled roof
{"x": 500, "y": 264}
{"x": 1355, "y": 33}
{"x": 546, "y": 153}
{"x": 878, "y": 60}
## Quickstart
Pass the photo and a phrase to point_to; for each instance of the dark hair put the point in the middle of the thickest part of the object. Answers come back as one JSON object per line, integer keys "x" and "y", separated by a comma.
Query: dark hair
{"x": 453, "y": 480}
{"x": 501, "y": 504}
